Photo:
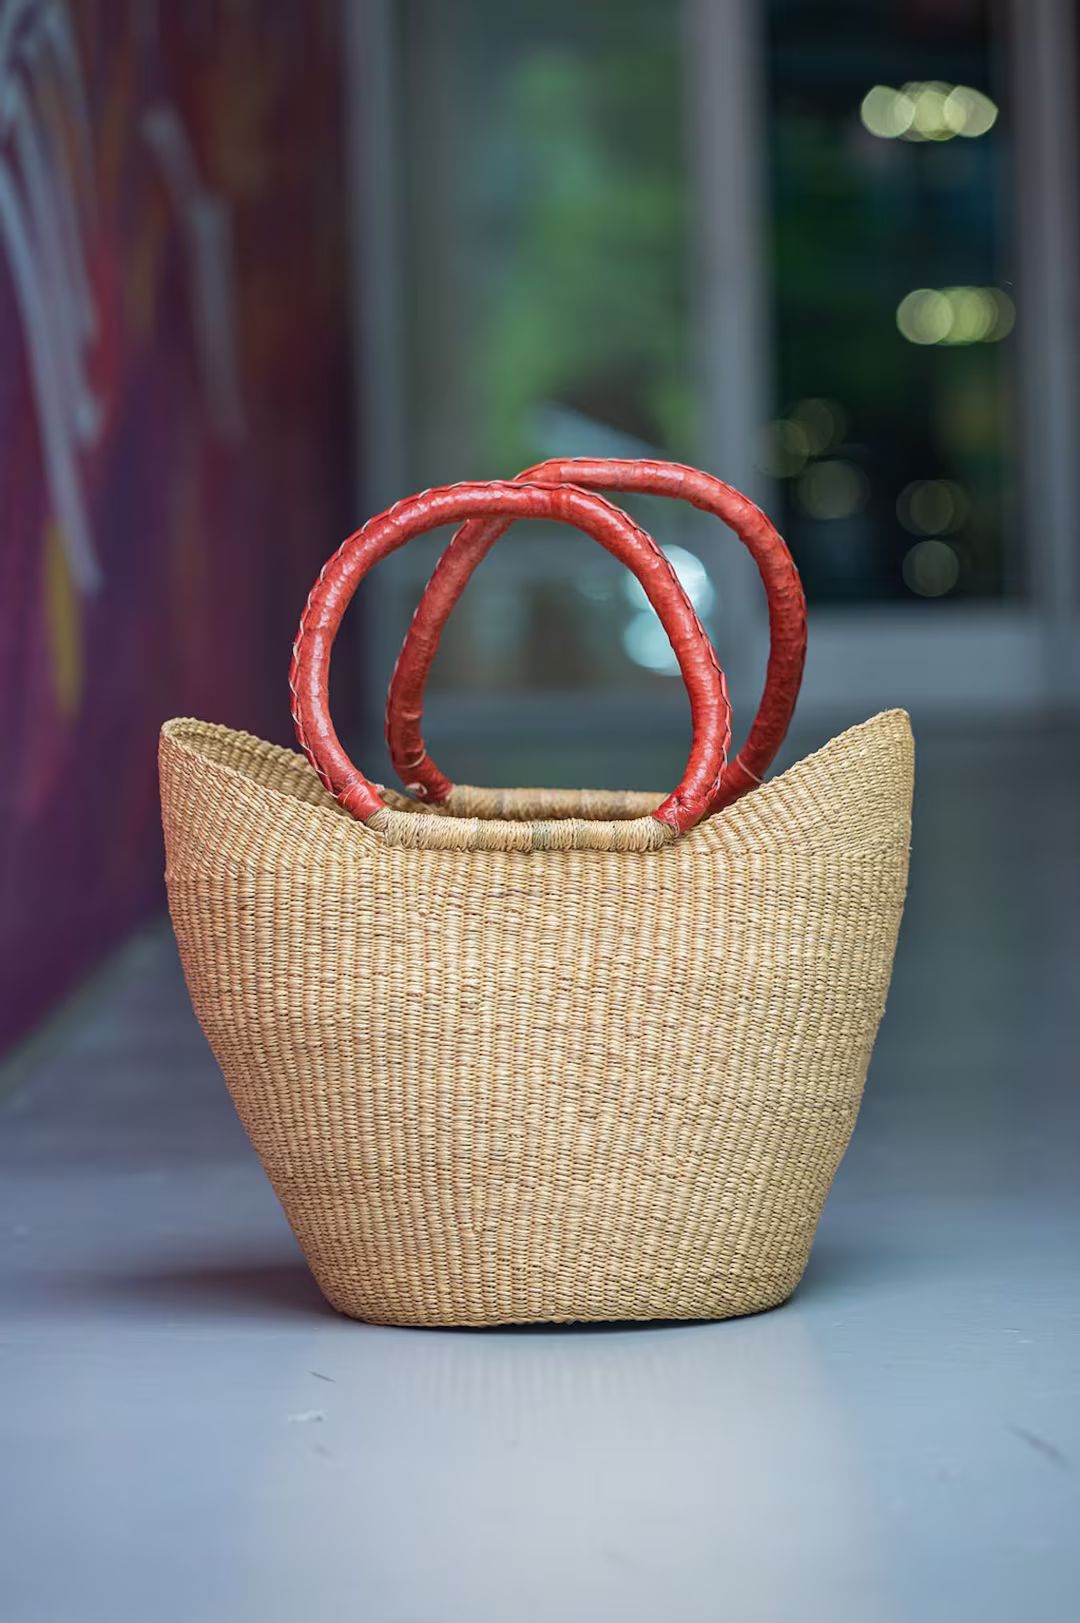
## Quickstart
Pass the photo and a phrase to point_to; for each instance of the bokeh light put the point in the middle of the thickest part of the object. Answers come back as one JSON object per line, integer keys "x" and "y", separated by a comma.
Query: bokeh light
{"x": 644, "y": 639}
{"x": 783, "y": 448}
{"x": 931, "y": 568}
{"x": 968, "y": 112}
{"x": 693, "y": 577}
{"x": 924, "y": 316}
{"x": 972, "y": 314}
{"x": 929, "y": 120}
{"x": 927, "y": 111}
{"x": 831, "y": 490}
{"x": 955, "y": 315}
{"x": 886, "y": 112}
{"x": 824, "y": 422}
{"x": 1004, "y": 315}
{"x": 933, "y": 507}
{"x": 645, "y": 642}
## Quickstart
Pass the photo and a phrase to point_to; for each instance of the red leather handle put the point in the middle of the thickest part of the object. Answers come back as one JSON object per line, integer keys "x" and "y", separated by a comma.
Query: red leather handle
{"x": 503, "y": 502}
{"x": 787, "y": 615}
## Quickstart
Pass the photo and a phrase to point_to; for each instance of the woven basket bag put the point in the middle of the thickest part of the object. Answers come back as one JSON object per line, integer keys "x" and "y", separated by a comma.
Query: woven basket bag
{"x": 531, "y": 1055}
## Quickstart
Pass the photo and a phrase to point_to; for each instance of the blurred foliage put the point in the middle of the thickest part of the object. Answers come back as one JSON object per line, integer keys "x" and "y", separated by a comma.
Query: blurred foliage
{"x": 586, "y": 303}
{"x": 551, "y": 175}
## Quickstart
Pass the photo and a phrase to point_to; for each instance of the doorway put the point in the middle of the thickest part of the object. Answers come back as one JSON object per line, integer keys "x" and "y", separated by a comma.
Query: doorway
{"x": 693, "y": 232}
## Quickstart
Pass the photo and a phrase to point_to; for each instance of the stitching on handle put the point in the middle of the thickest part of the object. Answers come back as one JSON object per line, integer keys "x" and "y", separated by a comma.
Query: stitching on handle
{"x": 696, "y": 643}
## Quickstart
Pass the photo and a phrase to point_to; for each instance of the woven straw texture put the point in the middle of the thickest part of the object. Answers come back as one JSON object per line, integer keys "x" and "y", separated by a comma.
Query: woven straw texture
{"x": 495, "y": 1086}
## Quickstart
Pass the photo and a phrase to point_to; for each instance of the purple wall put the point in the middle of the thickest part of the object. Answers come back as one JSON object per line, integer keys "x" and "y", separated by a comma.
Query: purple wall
{"x": 173, "y": 425}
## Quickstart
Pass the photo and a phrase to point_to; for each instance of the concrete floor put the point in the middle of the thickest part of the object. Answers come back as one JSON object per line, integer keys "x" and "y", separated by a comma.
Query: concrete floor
{"x": 187, "y": 1434}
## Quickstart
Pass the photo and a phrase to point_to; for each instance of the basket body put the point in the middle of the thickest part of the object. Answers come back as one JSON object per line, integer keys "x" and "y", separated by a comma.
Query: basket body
{"x": 502, "y": 1086}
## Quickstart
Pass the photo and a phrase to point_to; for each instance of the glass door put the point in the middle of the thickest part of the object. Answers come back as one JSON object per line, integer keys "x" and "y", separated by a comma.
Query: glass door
{"x": 907, "y": 183}
{"x": 789, "y": 240}
{"x": 540, "y": 167}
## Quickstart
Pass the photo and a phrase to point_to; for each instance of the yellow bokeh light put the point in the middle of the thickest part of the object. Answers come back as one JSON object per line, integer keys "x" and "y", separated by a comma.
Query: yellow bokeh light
{"x": 824, "y": 422}
{"x": 931, "y": 568}
{"x": 886, "y": 112}
{"x": 932, "y": 507}
{"x": 927, "y": 111}
{"x": 830, "y": 490}
{"x": 955, "y": 315}
{"x": 924, "y": 316}
{"x": 968, "y": 112}
{"x": 929, "y": 119}
{"x": 783, "y": 449}
{"x": 1004, "y": 315}
{"x": 973, "y": 314}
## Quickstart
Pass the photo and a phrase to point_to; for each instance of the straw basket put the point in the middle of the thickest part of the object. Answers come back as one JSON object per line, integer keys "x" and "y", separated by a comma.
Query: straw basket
{"x": 521, "y": 1055}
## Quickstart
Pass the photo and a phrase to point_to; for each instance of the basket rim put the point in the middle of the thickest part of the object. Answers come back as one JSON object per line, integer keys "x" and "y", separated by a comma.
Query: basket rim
{"x": 419, "y": 826}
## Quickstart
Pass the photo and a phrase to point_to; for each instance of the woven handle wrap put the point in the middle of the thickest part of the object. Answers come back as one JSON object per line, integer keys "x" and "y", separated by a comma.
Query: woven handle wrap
{"x": 787, "y": 615}
{"x": 504, "y": 502}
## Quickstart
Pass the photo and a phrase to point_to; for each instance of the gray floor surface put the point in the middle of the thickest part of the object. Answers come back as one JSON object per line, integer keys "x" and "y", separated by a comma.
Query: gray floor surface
{"x": 187, "y": 1433}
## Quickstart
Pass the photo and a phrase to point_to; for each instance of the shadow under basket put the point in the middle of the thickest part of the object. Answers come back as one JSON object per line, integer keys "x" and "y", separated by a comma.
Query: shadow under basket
{"x": 497, "y": 1086}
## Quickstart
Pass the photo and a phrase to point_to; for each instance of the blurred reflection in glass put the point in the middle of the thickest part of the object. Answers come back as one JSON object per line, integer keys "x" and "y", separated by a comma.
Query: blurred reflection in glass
{"x": 555, "y": 200}
{"x": 889, "y": 142}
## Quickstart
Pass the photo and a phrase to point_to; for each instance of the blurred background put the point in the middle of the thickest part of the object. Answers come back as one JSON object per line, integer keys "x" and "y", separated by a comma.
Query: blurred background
{"x": 826, "y": 249}
{"x": 265, "y": 268}
{"x": 268, "y": 266}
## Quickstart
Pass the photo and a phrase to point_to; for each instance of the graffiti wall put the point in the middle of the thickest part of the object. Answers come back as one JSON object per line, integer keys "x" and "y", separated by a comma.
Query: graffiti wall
{"x": 173, "y": 425}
